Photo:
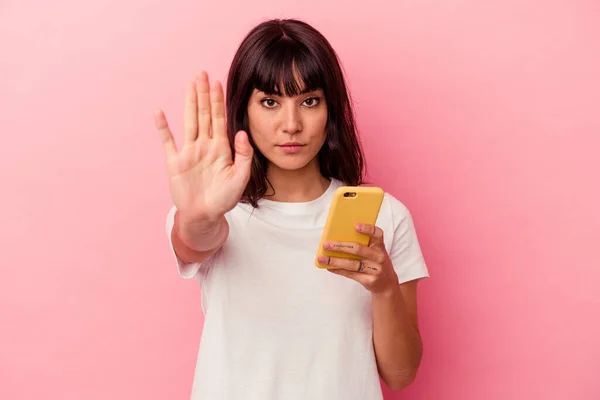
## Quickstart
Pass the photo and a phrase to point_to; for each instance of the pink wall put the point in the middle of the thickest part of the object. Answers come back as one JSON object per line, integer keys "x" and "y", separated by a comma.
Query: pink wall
{"x": 482, "y": 116}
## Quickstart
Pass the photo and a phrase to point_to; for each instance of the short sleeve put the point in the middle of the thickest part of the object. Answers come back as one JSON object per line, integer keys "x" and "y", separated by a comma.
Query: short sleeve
{"x": 405, "y": 251}
{"x": 185, "y": 270}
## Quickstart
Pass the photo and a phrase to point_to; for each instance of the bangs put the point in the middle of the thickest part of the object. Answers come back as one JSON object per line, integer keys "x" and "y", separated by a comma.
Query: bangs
{"x": 287, "y": 69}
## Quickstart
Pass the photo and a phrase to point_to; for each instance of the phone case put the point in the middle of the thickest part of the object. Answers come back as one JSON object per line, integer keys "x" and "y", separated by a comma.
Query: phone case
{"x": 351, "y": 205}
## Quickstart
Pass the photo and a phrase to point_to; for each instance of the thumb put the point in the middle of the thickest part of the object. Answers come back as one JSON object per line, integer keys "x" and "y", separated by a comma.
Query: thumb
{"x": 243, "y": 153}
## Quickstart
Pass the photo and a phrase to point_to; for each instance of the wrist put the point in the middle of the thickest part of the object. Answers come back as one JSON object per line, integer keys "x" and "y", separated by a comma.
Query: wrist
{"x": 197, "y": 221}
{"x": 389, "y": 292}
{"x": 200, "y": 234}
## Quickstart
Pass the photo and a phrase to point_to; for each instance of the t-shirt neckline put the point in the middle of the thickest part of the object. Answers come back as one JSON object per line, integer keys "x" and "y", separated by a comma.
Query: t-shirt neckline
{"x": 306, "y": 206}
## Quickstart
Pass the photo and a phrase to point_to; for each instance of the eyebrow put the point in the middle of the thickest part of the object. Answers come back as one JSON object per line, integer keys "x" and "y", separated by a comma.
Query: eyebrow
{"x": 278, "y": 93}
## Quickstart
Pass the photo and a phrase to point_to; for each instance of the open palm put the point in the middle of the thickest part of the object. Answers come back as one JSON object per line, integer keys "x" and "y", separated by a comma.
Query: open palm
{"x": 204, "y": 180}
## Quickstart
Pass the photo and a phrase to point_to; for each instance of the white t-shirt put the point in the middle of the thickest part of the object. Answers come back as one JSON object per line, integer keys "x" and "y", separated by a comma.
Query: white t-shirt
{"x": 277, "y": 327}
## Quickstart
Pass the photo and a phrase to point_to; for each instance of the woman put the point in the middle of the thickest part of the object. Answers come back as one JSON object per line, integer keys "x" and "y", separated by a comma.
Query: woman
{"x": 251, "y": 187}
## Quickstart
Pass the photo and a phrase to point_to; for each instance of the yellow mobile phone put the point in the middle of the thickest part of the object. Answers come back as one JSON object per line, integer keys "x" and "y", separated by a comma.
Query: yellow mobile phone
{"x": 351, "y": 205}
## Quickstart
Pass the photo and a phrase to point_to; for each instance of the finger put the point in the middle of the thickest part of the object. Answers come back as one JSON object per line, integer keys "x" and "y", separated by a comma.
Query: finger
{"x": 358, "y": 266}
{"x": 203, "y": 94}
{"x": 190, "y": 116}
{"x": 243, "y": 155}
{"x": 160, "y": 121}
{"x": 351, "y": 248}
{"x": 375, "y": 232}
{"x": 217, "y": 107}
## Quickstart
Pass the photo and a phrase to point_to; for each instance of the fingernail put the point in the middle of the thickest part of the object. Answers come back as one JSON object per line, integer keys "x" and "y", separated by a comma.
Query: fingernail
{"x": 359, "y": 227}
{"x": 322, "y": 259}
{"x": 326, "y": 245}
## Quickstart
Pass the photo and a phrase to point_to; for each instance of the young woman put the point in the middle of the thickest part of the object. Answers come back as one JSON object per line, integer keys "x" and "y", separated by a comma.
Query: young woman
{"x": 251, "y": 187}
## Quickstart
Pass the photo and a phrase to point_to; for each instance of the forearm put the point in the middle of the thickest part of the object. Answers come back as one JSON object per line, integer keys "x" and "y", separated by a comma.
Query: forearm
{"x": 397, "y": 342}
{"x": 194, "y": 242}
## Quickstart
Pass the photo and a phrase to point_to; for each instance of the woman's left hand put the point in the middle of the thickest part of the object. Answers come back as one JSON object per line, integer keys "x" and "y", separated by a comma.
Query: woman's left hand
{"x": 374, "y": 270}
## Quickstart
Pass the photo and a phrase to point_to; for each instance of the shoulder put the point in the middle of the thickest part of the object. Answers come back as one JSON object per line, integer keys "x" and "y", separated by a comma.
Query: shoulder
{"x": 393, "y": 209}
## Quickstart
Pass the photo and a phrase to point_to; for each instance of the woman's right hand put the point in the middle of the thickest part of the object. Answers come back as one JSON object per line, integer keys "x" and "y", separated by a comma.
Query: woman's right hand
{"x": 204, "y": 180}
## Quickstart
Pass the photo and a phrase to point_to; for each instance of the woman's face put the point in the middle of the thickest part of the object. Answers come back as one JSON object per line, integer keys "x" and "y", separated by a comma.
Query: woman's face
{"x": 288, "y": 131}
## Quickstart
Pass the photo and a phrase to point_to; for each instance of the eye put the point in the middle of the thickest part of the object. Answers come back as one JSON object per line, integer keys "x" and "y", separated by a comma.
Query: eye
{"x": 268, "y": 103}
{"x": 312, "y": 102}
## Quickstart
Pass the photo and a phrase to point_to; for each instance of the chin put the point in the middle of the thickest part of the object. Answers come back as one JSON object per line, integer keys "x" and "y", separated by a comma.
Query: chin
{"x": 290, "y": 165}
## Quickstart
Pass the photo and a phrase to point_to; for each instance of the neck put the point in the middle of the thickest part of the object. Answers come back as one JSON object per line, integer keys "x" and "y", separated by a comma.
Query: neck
{"x": 305, "y": 184}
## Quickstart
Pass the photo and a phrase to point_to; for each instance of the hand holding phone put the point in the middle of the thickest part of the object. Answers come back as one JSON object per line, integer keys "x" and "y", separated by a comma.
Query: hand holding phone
{"x": 351, "y": 205}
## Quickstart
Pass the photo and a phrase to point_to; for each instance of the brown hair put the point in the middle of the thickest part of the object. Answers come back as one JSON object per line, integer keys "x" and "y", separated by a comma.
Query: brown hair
{"x": 269, "y": 56}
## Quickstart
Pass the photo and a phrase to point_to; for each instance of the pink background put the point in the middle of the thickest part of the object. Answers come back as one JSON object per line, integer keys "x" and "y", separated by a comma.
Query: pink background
{"x": 482, "y": 116}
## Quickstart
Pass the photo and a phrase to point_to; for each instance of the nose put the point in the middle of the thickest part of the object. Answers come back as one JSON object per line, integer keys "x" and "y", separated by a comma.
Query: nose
{"x": 291, "y": 121}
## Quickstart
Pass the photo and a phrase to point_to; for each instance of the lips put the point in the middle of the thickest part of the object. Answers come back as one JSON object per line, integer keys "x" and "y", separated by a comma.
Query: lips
{"x": 291, "y": 147}
{"x": 291, "y": 144}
